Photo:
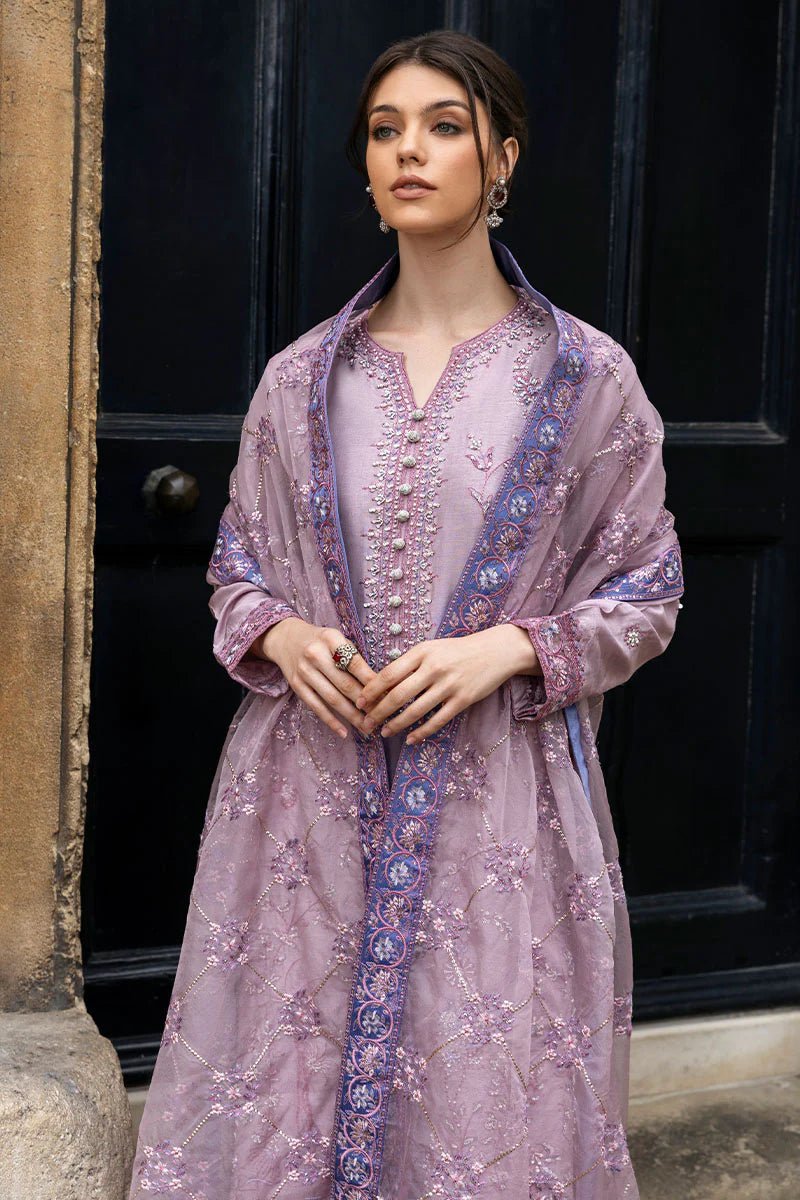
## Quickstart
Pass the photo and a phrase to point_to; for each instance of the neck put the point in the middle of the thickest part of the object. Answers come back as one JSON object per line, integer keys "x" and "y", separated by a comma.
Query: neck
{"x": 449, "y": 293}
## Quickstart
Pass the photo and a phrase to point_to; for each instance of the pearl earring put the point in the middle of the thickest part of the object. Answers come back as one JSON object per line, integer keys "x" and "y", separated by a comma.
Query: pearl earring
{"x": 493, "y": 219}
{"x": 384, "y": 228}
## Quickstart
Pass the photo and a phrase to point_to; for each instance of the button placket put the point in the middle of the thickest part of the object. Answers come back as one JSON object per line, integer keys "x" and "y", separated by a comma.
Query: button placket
{"x": 402, "y": 515}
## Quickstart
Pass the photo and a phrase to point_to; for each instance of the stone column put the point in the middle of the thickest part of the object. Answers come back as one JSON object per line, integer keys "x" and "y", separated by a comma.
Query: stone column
{"x": 65, "y": 1127}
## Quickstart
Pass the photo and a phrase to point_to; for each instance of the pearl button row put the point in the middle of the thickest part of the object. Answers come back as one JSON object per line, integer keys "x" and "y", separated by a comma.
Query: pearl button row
{"x": 402, "y": 515}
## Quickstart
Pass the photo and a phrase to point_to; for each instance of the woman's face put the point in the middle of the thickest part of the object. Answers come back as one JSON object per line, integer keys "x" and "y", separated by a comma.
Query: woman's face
{"x": 419, "y": 124}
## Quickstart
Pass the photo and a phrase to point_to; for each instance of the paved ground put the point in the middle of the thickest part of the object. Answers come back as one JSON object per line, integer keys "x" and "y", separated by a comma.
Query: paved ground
{"x": 733, "y": 1143}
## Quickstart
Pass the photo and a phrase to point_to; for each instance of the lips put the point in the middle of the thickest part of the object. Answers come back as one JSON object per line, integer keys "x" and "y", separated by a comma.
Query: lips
{"x": 412, "y": 184}
{"x": 412, "y": 191}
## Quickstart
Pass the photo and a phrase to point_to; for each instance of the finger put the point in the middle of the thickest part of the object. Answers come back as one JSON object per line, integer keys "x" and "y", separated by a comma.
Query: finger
{"x": 420, "y": 707}
{"x": 312, "y": 701}
{"x": 445, "y": 714}
{"x": 408, "y": 690}
{"x": 331, "y": 694}
{"x": 389, "y": 677}
{"x": 360, "y": 670}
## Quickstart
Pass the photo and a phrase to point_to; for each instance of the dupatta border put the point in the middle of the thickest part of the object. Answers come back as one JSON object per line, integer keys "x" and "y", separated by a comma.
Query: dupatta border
{"x": 398, "y": 826}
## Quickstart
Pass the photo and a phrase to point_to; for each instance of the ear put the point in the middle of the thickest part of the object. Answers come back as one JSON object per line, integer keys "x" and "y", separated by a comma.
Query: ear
{"x": 507, "y": 156}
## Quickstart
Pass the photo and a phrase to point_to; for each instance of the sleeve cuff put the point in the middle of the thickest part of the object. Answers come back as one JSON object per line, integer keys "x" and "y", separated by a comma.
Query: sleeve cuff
{"x": 257, "y": 674}
{"x": 556, "y": 640}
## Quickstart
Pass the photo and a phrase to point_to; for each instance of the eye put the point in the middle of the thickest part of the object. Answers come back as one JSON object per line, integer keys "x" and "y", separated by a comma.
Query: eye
{"x": 378, "y": 130}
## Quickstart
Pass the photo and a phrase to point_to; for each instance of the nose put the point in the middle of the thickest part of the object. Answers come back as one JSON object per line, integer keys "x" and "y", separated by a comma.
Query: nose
{"x": 408, "y": 146}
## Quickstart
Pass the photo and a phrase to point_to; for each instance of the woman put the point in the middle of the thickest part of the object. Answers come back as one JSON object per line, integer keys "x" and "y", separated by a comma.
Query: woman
{"x": 406, "y": 971}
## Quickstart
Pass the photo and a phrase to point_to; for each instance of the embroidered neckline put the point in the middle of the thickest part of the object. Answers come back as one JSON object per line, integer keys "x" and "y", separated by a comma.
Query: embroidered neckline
{"x": 518, "y": 319}
{"x": 364, "y": 316}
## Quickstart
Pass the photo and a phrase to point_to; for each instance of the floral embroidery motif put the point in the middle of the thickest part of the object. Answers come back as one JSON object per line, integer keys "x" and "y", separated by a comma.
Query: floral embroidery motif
{"x": 296, "y": 368}
{"x": 544, "y": 1185}
{"x": 439, "y": 923}
{"x": 567, "y": 1042}
{"x": 173, "y": 1023}
{"x": 456, "y": 1177}
{"x": 239, "y": 797}
{"x": 163, "y": 1171}
{"x": 562, "y": 485}
{"x": 507, "y": 865}
{"x": 615, "y": 1146}
{"x": 615, "y": 541}
{"x": 290, "y": 864}
{"x": 632, "y": 636}
{"x": 605, "y": 354}
{"x": 615, "y": 879}
{"x": 300, "y": 1016}
{"x": 486, "y": 1018}
{"x": 483, "y": 461}
{"x": 233, "y": 1093}
{"x": 307, "y": 1161}
{"x": 227, "y": 944}
{"x": 623, "y": 1009}
{"x": 264, "y": 439}
{"x": 300, "y": 494}
{"x": 585, "y": 897}
{"x": 631, "y": 437}
{"x": 412, "y": 1072}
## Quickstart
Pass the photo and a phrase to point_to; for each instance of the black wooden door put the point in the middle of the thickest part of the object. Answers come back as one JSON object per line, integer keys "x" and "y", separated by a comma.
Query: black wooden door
{"x": 659, "y": 201}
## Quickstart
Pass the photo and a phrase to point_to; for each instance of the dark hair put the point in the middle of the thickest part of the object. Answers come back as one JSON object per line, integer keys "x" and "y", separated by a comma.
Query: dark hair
{"x": 481, "y": 72}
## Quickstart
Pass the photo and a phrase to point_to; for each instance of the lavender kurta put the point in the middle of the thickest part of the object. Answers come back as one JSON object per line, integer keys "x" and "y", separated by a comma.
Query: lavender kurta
{"x": 411, "y": 510}
{"x": 413, "y": 980}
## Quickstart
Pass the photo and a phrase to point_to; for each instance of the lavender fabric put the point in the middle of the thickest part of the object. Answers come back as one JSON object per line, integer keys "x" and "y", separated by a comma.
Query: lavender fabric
{"x": 406, "y": 970}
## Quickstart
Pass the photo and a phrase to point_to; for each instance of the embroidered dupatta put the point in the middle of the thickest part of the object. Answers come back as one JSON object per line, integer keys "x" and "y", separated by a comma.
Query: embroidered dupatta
{"x": 457, "y": 944}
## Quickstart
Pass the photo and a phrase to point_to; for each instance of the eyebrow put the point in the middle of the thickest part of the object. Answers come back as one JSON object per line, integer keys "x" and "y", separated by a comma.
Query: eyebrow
{"x": 429, "y": 108}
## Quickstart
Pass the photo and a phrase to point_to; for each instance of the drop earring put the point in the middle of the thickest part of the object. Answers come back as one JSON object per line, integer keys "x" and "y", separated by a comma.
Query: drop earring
{"x": 493, "y": 218}
{"x": 384, "y": 228}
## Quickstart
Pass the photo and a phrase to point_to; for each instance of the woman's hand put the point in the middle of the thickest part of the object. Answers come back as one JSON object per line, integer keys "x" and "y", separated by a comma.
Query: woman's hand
{"x": 450, "y": 672}
{"x": 304, "y": 652}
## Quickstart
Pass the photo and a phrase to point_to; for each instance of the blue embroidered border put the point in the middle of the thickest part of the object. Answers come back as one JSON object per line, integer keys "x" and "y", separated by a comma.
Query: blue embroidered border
{"x": 230, "y": 562}
{"x": 656, "y": 580}
{"x": 398, "y": 831}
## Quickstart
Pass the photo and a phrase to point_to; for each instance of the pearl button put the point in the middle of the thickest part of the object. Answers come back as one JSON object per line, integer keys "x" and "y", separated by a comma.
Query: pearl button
{"x": 413, "y": 435}
{"x": 405, "y": 488}
{"x": 398, "y": 543}
{"x": 409, "y": 461}
{"x": 394, "y": 629}
{"x": 395, "y": 601}
{"x": 395, "y": 652}
{"x": 403, "y": 514}
{"x": 396, "y": 573}
{"x": 418, "y": 414}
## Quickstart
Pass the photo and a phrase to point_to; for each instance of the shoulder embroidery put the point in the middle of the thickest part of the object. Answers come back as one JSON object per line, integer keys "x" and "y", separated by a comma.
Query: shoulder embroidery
{"x": 606, "y": 354}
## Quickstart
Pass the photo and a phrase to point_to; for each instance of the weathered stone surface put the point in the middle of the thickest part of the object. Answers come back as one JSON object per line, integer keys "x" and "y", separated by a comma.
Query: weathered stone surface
{"x": 720, "y": 1143}
{"x": 51, "y": 93}
{"x": 65, "y": 1125}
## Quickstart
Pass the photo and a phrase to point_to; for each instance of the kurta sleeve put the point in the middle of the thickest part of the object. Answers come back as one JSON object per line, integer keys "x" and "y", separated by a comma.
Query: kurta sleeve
{"x": 626, "y": 578}
{"x": 248, "y": 595}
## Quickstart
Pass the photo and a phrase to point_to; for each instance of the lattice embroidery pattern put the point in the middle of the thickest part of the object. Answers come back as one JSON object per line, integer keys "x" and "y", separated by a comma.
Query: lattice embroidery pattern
{"x": 239, "y": 1093}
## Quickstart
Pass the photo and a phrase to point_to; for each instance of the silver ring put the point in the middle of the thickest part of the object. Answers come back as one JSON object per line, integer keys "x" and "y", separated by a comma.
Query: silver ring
{"x": 344, "y": 654}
